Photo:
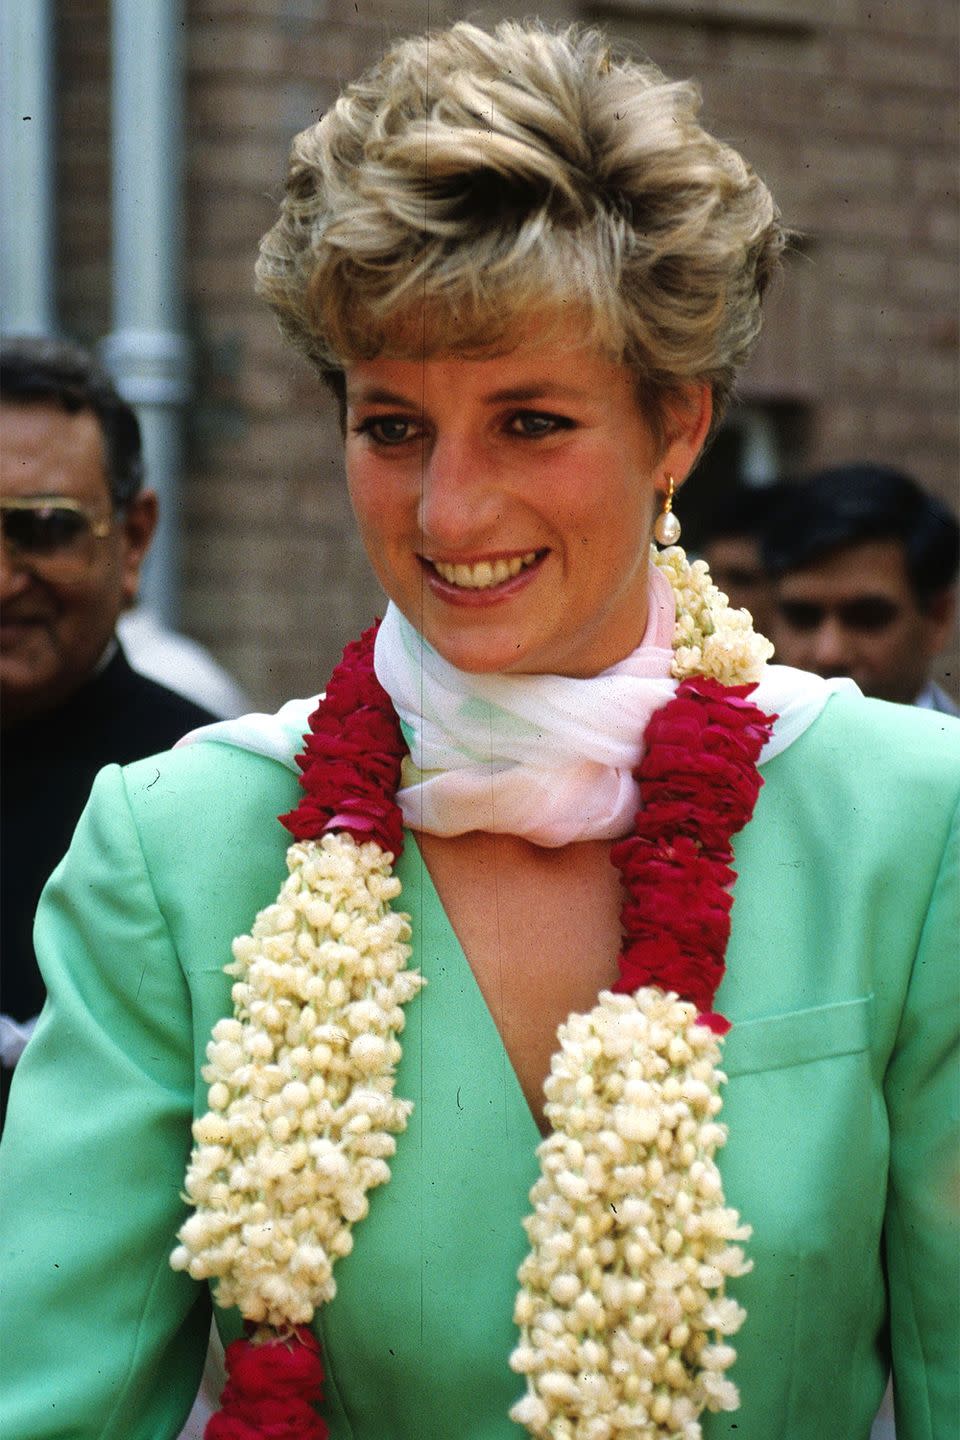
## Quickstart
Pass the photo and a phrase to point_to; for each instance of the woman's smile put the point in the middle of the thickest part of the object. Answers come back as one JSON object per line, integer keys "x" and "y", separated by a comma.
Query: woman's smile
{"x": 479, "y": 581}
{"x": 505, "y": 502}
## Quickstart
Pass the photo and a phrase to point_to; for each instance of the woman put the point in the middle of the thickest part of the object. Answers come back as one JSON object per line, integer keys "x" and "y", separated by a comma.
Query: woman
{"x": 529, "y": 276}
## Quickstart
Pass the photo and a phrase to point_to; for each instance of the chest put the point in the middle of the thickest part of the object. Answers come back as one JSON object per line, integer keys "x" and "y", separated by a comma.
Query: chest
{"x": 540, "y": 930}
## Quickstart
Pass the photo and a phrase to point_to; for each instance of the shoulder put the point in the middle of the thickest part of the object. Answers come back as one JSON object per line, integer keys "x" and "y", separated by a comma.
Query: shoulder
{"x": 208, "y": 786}
{"x": 920, "y": 746}
{"x": 203, "y": 824}
{"x": 875, "y": 772}
{"x": 866, "y": 737}
{"x": 867, "y": 777}
{"x": 886, "y": 718}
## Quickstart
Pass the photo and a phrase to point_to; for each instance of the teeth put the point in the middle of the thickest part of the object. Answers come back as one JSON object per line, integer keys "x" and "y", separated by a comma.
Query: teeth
{"x": 484, "y": 574}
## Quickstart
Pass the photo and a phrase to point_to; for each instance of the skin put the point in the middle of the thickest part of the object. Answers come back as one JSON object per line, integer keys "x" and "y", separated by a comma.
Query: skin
{"x": 538, "y": 449}
{"x": 890, "y": 664}
{"x": 53, "y": 631}
{"x": 541, "y": 449}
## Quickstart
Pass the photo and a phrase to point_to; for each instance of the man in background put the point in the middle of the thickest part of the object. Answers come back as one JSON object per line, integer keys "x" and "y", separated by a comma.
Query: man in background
{"x": 76, "y": 525}
{"x": 731, "y": 546}
{"x": 865, "y": 567}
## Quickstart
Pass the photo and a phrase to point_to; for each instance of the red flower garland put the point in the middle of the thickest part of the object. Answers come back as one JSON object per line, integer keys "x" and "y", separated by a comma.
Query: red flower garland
{"x": 271, "y": 1391}
{"x": 698, "y": 784}
{"x": 352, "y": 756}
{"x": 351, "y": 773}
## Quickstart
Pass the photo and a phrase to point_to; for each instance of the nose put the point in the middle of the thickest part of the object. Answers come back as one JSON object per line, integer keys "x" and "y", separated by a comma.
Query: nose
{"x": 14, "y": 575}
{"x": 460, "y": 495}
{"x": 830, "y": 648}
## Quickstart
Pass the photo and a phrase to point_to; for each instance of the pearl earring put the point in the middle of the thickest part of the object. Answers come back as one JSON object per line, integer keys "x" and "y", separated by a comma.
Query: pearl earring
{"x": 666, "y": 527}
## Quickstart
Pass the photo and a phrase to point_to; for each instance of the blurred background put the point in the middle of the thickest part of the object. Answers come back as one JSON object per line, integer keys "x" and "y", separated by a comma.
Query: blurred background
{"x": 143, "y": 147}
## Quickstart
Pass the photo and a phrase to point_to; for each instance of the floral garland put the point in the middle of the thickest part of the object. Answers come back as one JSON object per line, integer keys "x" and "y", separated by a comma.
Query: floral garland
{"x": 621, "y": 1306}
{"x": 302, "y": 1114}
{"x": 622, "y": 1294}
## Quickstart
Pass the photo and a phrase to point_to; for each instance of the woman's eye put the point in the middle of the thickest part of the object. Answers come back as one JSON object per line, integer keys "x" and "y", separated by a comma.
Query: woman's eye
{"x": 388, "y": 429}
{"x": 531, "y": 424}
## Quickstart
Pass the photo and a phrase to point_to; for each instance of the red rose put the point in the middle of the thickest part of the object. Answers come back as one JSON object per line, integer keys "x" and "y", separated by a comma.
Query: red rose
{"x": 266, "y": 1420}
{"x": 698, "y": 822}
{"x": 345, "y": 695}
{"x": 370, "y": 730}
{"x": 351, "y": 758}
{"x": 719, "y": 1024}
{"x": 663, "y": 963}
{"x": 373, "y": 820}
{"x": 687, "y": 858}
{"x": 697, "y": 921}
{"x": 353, "y": 683}
{"x": 328, "y": 784}
{"x": 292, "y": 1366}
{"x": 270, "y": 1391}
{"x": 698, "y": 786}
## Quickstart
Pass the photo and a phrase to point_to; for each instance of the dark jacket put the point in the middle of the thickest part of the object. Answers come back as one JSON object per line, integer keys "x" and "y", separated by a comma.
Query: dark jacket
{"x": 47, "y": 767}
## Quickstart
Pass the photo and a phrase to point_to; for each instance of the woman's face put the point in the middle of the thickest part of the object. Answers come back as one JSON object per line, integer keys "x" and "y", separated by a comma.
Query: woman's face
{"x": 505, "y": 503}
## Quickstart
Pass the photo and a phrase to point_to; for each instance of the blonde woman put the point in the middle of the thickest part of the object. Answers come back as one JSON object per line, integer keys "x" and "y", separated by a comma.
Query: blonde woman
{"x": 529, "y": 276}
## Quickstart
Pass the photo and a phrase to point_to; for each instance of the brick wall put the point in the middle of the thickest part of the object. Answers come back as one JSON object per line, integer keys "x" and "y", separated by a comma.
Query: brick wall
{"x": 847, "y": 109}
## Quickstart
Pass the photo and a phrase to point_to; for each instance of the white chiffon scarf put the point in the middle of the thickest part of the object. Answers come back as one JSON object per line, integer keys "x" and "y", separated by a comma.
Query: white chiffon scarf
{"x": 541, "y": 756}
{"x": 544, "y": 757}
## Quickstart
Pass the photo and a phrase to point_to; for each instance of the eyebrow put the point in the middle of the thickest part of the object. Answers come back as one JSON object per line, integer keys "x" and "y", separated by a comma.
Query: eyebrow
{"x": 536, "y": 390}
{"x": 377, "y": 396}
{"x": 511, "y": 394}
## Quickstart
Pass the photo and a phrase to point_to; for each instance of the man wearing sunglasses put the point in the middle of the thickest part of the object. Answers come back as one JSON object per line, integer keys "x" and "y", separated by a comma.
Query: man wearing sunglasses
{"x": 76, "y": 525}
{"x": 865, "y": 565}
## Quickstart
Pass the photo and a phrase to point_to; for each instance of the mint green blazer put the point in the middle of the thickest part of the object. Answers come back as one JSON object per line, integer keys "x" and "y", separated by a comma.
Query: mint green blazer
{"x": 842, "y": 983}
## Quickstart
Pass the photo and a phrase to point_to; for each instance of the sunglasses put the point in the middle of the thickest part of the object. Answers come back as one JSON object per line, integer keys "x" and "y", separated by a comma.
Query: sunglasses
{"x": 869, "y": 615}
{"x": 54, "y": 527}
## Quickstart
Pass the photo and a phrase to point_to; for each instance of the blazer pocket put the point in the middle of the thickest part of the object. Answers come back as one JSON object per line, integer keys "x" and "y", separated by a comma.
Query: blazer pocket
{"x": 798, "y": 1037}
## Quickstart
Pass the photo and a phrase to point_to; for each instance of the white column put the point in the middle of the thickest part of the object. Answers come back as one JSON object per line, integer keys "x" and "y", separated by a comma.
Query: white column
{"x": 27, "y": 216}
{"x": 147, "y": 351}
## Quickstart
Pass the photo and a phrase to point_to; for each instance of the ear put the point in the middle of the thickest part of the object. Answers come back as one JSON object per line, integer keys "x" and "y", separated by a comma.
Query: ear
{"x": 687, "y": 421}
{"x": 138, "y": 522}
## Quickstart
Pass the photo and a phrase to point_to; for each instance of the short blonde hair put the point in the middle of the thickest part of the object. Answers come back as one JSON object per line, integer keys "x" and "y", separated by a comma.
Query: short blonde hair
{"x": 471, "y": 178}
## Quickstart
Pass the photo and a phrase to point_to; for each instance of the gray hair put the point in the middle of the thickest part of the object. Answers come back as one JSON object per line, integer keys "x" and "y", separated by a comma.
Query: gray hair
{"x": 35, "y": 369}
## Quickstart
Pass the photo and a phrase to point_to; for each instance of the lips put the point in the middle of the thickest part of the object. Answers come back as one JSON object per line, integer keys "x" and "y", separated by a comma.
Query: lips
{"x": 483, "y": 574}
{"x": 8, "y": 617}
{"x": 14, "y": 627}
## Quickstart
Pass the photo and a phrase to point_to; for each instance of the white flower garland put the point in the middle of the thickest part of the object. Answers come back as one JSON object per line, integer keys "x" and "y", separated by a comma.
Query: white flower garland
{"x": 623, "y": 1288}
{"x": 621, "y": 1298}
{"x": 621, "y": 1307}
{"x": 302, "y": 1114}
{"x": 710, "y": 638}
